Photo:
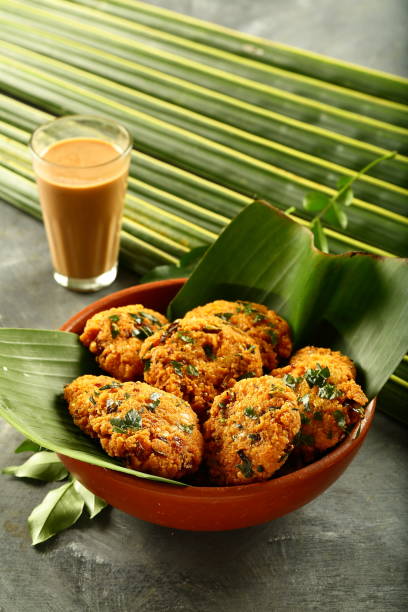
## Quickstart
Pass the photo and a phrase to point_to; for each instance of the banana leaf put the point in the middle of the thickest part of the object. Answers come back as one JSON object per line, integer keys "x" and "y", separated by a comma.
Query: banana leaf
{"x": 34, "y": 367}
{"x": 356, "y": 303}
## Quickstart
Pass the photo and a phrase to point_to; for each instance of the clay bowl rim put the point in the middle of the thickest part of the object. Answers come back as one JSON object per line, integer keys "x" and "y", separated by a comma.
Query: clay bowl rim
{"x": 341, "y": 451}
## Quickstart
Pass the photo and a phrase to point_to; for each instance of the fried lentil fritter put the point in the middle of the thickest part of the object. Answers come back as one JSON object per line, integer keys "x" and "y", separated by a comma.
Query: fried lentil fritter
{"x": 116, "y": 335}
{"x": 197, "y": 359}
{"x": 266, "y": 328}
{"x": 250, "y": 431}
{"x": 330, "y": 400}
{"x": 153, "y": 431}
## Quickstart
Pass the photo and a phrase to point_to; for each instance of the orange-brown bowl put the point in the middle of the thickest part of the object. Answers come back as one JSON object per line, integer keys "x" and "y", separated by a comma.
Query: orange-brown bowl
{"x": 205, "y": 508}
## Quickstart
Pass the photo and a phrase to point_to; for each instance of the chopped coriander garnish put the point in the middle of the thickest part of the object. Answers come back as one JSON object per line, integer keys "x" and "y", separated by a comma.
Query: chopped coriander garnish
{"x": 254, "y": 437}
{"x": 251, "y": 413}
{"x": 209, "y": 353}
{"x": 305, "y": 400}
{"x": 273, "y": 336}
{"x": 131, "y": 421}
{"x": 317, "y": 377}
{"x": 92, "y": 400}
{"x": 246, "y": 466}
{"x": 186, "y": 338}
{"x": 186, "y": 428}
{"x": 142, "y": 332}
{"x": 146, "y": 365}
{"x": 177, "y": 367}
{"x": 115, "y": 331}
{"x": 113, "y": 385}
{"x": 192, "y": 370}
{"x": 138, "y": 319}
{"x": 259, "y": 317}
{"x": 340, "y": 419}
{"x": 154, "y": 401}
{"x": 318, "y": 416}
{"x": 225, "y": 316}
{"x": 304, "y": 419}
{"x": 151, "y": 318}
{"x": 291, "y": 381}
{"x": 328, "y": 391}
{"x": 112, "y": 405}
{"x": 114, "y": 318}
{"x": 247, "y": 375}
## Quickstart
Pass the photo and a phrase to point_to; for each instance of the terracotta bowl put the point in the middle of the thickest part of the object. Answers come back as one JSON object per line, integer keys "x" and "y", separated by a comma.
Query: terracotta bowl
{"x": 205, "y": 508}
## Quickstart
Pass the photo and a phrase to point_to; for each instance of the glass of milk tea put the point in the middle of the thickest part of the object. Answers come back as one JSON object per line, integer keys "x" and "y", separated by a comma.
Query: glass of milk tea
{"x": 81, "y": 164}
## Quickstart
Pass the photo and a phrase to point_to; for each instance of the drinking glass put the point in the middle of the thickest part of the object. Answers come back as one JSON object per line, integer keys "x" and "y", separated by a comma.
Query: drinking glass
{"x": 81, "y": 163}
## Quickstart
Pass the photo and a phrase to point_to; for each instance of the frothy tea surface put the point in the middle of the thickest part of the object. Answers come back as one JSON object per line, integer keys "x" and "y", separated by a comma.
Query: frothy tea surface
{"x": 82, "y": 192}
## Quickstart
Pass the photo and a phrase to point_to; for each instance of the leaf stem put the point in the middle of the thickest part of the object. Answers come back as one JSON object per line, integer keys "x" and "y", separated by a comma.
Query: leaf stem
{"x": 336, "y": 195}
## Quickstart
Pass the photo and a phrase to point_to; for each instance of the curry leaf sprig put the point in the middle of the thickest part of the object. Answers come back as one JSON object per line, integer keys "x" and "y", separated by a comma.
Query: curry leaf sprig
{"x": 61, "y": 507}
{"x": 333, "y": 209}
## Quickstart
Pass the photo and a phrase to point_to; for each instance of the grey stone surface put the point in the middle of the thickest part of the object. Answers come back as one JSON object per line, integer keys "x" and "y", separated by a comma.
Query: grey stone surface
{"x": 345, "y": 551}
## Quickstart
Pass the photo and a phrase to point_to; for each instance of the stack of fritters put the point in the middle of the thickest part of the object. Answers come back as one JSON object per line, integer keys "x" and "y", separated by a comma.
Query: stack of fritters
{"x": 208, "y": 368}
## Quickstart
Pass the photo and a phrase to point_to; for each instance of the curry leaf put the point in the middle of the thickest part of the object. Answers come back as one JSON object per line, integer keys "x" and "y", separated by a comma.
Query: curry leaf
{"x": 59, "y": 509}
{"x": 319, "y": 235}
{"x": 315, "y": 201}
{"x": 93, "y": 503}
{"x": 28, "y": 446}
{"x": 40, "y": 466}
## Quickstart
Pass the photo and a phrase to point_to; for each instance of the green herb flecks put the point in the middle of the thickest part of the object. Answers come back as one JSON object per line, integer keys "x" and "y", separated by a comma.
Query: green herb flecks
{"x": 153, "y": 402}
{"x": 114, "y": 318}
{"x": 273, "y": 336}
{"x": 246, "y": 375}
{"x": 92, "y": 400}
{"x": 329, "y": 391}
{"x": 225, "y": 316}
{"x": 304, "y": 419}
{"x": 177, "y": 367}
{"x": 246, "y": 466}
{"x": 291, "y": 381}
{"x": 142, "y": 332}
{"x": 340, "y": 419}
{"x": 114, "y": 385}
{"x": 251, "y": 413}
{"x": 112, "y": 405}
{"x": 209, "y": 353}
{"x": 151, "y": 318}
{"x": 318, "y": 416}
{"x": 192, "y": 370}
{"x": 132, "y": 421}
{"x": 305, "y": 400}
{"x": 186, "y": 428}
{"x": 260, "y": 468}
{"x": 317, "y": 377}
{"x": 303, "y": 439}
{"x": 115, "y": 331}
{"x": 146, "y": 365}
{"x": 254, "y": 437}
{"x": 186, "y": 338}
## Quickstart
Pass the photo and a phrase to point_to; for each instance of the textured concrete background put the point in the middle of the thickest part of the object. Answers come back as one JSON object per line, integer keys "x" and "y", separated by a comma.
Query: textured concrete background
{"x": 344, "y": 551}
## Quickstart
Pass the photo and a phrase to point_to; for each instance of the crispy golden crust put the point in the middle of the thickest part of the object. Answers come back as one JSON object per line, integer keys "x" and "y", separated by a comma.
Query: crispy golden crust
{"x": 250, "y": 431}
{"x": 153, "y": 431}
{"x": 329, "y": 410}
{"x": 116, "y": 335}
{"x": 266, "y": 328}
{"x": 196, "y": 359}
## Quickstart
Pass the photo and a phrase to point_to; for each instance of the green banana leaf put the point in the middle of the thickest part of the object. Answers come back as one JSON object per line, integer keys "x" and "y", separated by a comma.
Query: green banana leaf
{"x": 355, "y": 302}
{"x": 34, "y": 367}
